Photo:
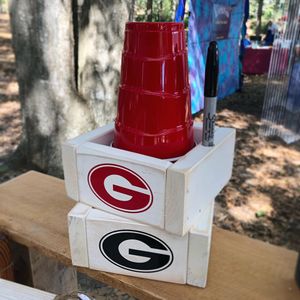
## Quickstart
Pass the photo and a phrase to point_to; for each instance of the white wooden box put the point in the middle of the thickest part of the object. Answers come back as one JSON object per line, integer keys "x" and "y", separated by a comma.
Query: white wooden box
{"x": 110, "y": 243}
{"x": 153, "y": 191}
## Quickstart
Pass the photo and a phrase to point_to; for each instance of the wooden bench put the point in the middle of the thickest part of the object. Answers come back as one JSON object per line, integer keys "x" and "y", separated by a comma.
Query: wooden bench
{"x": 33, "y": 212}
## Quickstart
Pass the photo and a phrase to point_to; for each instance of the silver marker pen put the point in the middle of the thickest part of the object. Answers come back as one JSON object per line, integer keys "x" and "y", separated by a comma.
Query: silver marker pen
{"x": 210, "y": 94}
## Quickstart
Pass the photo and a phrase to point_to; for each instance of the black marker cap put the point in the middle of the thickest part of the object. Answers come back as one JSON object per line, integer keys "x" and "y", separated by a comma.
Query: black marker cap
{"x": 211, "y": 70}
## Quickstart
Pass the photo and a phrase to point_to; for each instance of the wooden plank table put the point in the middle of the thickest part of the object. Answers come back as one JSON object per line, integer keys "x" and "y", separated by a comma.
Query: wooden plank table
{"x": 33, "y": 212}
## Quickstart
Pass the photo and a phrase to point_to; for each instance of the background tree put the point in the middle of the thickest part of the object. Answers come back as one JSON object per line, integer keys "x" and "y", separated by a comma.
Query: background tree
{"x": 261, "y": 12}
{"x": 48, "y": 57}
{"x": 149, "y": 10}
{"x": 259, "y": 16}
{"x": 158, "y": 10}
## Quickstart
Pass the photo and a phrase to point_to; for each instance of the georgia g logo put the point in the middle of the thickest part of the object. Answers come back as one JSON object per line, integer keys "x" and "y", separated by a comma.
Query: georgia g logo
{"x": 120, "y": 188}
{"x": 136, "y": 251}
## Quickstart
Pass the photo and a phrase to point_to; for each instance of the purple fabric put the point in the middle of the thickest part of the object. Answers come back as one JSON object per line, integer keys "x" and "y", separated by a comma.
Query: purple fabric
{"x": 201, "y": 32}
{"x": 179, "y": 16}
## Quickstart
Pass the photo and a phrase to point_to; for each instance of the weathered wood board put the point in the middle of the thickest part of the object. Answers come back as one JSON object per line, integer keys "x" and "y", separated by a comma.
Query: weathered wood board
{"x": 106, "y": 242}
{"x": 168, "y": 195}
{"x": 33, "y": 212}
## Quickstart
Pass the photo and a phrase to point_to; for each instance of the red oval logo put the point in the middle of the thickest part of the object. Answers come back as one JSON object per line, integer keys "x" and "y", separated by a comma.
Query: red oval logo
{"x": 120, "y": 188}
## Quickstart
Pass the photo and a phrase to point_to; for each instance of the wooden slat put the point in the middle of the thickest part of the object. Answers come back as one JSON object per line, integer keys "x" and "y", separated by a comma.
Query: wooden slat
{"x": 33, "y": 211}
{"x": 13, "y": 291}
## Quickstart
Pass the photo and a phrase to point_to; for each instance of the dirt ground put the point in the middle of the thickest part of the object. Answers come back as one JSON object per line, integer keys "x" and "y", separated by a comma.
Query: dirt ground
{"x": 262, "y": 199}
{"x": 10, "y": 121}
{"x": 10, "y": 115}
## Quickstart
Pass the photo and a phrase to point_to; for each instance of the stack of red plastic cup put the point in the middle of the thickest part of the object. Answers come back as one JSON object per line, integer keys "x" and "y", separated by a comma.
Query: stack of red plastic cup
{"x": 154, "y": 113}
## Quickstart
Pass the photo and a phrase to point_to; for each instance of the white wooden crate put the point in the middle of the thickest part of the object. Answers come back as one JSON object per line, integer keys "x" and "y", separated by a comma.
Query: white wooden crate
{"x": 153, "y": 191}
{"x": 110, "y": 243}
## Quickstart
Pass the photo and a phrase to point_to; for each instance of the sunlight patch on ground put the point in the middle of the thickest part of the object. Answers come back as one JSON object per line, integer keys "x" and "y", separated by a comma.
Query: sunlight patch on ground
{"x": 229, "y": 118}
{"x": 10, "y": 126}
{"x": 10, "y": 121}
{"x": 255, "y": 203}
{"x": 279, "y": 168}
{"x": 281, "y": 153}
{"x": 12, "y": 88}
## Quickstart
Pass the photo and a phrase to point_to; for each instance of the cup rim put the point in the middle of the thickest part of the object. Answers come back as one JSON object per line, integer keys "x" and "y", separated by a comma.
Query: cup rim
{"x": 155, "y": 26}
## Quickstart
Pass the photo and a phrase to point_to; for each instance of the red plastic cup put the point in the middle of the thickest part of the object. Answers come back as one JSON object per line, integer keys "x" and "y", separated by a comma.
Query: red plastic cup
{"x": 154, "y": 114}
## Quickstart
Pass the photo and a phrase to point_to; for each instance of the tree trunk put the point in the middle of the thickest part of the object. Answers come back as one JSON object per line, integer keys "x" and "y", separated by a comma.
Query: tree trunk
{"x": 132, "y": 11}
{"x": 101, "y": 32}
{"x": 52, "y": 109}
{"x": 259, "y": 15}
{"x": 149, "y": 11}
{"x": 160, "y": 11}
{"x": 173, "y": 8}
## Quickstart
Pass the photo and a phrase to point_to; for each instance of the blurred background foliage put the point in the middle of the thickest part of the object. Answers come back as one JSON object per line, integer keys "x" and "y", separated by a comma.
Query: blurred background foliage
{"x": 3, "y": 6}
{"x": 155, "y": 10}
{"x": 261, "y": 12}
{"x": 271, "y": 10}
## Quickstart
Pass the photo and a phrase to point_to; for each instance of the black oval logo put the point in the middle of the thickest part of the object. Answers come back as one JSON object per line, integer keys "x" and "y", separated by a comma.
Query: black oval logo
{"x": 136, "y": 251}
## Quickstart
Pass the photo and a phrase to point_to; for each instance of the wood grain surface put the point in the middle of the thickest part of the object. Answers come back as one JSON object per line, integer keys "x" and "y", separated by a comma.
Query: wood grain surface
{"x": 33, "y": 212}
